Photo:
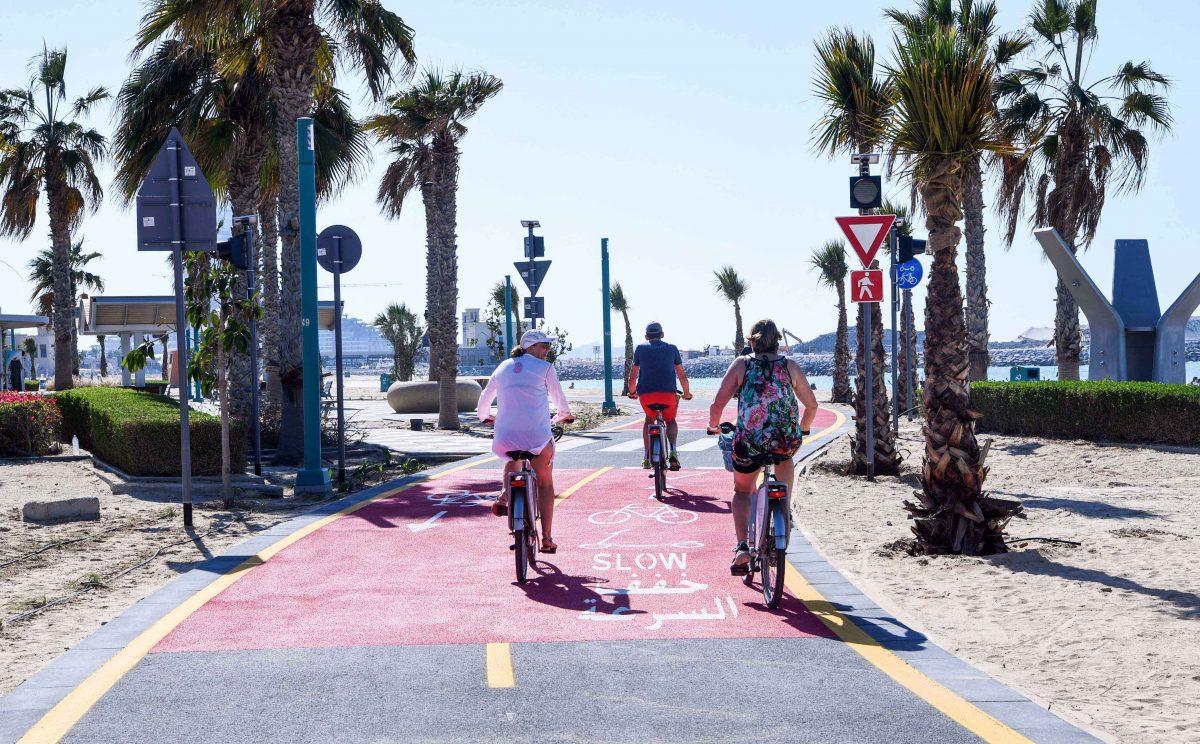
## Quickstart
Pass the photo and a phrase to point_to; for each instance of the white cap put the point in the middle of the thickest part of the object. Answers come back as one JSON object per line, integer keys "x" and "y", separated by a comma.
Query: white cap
{"x": 534, "y": 336}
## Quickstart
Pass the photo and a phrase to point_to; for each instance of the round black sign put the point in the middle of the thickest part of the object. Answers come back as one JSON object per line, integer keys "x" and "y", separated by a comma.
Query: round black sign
{"x": 347, "y": 244}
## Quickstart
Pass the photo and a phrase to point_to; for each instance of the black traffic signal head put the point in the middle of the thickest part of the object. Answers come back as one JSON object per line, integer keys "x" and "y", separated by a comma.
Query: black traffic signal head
{"x": 866, "y": 192}
{"x": 234, "y": 251}
{"x": 909, "y": 247}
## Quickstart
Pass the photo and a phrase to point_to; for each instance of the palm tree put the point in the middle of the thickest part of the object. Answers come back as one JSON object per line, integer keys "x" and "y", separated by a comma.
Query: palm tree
{"x": 976, "y": 21}
{"x": 857, "y": 109}
{"x": 300, "y": 40}
{"x": 619, "y": 302}
{"x": 48, "y": 147}
{"x": 497, "y": 333}
{"x": 402, "y": 328}
{"x": 208, "y": 72}
{"x": 944, "y": 116}
{"x": 41, "y": 273}
{"x": 423, "y": 127}
{"x": 730, "y": 285}
{"x": 103, "y": 356}
{"x": 1081, "y": 137}
{"x": 830, "y": 262}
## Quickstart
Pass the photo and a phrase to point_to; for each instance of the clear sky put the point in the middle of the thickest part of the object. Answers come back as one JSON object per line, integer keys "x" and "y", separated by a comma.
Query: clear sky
{"x": 678, "y": 129}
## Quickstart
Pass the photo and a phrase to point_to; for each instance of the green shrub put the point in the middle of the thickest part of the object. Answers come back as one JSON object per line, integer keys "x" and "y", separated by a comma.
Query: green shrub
{"x": 139, "y": 432}
{"x": 32, "y": 386}
{"x": 1079, "y": 409}
{"x": 29, "y": 425}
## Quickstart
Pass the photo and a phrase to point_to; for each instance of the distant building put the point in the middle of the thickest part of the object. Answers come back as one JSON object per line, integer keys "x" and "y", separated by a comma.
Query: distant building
{"x": 359, "y": 339}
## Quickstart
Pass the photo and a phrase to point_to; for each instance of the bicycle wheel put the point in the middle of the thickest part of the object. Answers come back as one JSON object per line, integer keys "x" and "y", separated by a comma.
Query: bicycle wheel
{"x": 660, "y": 469}
{"x": 772, "y": 563}
{"x": 521, "y": 537}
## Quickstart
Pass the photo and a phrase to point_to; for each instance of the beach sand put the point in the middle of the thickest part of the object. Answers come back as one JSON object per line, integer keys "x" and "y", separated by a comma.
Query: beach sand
{"x": 1107, "y": 634}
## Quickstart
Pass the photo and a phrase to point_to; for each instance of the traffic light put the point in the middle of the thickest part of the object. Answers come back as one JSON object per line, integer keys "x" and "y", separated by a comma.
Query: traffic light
{"x": 535, "y": 246}
{"x": 909, "y": 246}
{"x": 234, "y": 251}
{"x": 866, "y": 192}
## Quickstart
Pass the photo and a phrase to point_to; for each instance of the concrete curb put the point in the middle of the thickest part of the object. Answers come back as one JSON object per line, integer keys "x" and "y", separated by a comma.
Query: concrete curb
{"x": 33, "y": 698}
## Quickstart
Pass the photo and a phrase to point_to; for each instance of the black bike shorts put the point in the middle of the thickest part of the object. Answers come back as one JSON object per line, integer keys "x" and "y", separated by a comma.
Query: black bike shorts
{"x": 746, "y": 462}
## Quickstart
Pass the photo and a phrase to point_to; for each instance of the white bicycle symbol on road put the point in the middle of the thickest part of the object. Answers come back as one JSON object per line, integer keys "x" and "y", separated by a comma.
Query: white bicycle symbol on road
{"x": 661, "y": 513}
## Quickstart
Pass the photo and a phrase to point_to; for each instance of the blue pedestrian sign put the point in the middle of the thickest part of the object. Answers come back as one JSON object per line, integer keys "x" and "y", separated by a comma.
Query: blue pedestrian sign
{"x": 908, "y": 274}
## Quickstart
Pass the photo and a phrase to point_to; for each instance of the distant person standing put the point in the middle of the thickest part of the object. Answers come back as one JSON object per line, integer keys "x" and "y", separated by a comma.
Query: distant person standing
{"x": 16, "y": 373}
{"x": 656, "y": 367}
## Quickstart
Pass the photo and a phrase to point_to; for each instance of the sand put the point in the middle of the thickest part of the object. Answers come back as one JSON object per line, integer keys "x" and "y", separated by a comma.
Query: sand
{"x": 1106, "y": 634}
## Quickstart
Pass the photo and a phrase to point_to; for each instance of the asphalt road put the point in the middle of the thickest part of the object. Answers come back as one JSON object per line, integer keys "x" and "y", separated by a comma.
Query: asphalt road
{"x": 398, "y": 619}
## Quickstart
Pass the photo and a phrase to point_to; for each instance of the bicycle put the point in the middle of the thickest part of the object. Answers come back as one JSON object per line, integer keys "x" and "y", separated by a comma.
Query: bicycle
{"x": 768, "y": 541}
{"x": 659, "y": 447}
{"x": 523, "y": 513}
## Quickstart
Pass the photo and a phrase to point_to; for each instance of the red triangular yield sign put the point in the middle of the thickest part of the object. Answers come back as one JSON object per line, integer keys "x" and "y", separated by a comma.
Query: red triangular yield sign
{"x": 866, "y": 233}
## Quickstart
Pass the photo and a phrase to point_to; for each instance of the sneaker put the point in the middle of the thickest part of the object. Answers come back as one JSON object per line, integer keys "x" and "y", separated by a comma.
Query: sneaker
{"x": 673, "y": 462}
{"x": 741, "y": 560}
{"x": 646, "y": 463}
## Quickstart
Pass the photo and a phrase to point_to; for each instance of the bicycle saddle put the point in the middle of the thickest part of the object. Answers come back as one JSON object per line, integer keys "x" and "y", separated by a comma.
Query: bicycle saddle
{"x": 520, "y": 455}
{"x": 657, "y": 407}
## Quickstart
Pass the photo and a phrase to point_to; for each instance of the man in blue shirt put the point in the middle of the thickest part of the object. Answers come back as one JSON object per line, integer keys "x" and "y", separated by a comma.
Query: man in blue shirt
{"x": 656, "y": 367}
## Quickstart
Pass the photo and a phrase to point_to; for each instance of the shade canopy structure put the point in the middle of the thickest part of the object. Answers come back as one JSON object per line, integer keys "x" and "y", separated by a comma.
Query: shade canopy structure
{"x": 149, "y": 314}
{"x": 17, "y": 322}
{"x": 325, "y": 315}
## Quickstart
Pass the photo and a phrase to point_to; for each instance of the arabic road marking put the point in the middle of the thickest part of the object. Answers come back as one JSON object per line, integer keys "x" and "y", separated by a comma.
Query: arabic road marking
{"x": 952, "y": 705}
{"x": 499, "y": 665}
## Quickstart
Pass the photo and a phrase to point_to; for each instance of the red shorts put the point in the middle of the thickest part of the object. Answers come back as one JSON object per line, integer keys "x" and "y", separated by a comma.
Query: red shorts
{"x": 670, "y": 400}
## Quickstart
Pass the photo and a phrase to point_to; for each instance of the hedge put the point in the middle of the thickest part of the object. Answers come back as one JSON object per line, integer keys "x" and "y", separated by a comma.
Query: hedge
{"x": 139, "y": 432}
{"x": 29, "y": 425}
{"x": 1080, "y": 409}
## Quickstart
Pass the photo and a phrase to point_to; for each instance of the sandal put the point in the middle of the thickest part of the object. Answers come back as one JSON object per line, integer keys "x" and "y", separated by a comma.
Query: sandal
{"x": 499, "y": 508}
{"x": 549, "y": 546}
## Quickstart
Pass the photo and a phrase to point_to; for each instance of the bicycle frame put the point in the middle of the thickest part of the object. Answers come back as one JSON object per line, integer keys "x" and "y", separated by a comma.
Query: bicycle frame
{"x": 772, "y": 502}
{"x": 522, "y": 498}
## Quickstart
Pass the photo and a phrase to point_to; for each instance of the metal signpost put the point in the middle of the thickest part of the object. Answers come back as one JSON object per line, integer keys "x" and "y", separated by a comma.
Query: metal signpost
{"x": 609, "y": 406}
{"x": 908, "y": 275}
{"x": 338, "y": 251}
{"x": 176, "y": 211}
{"x": 866, "y": 233}
{"x": 508, "y": 311}
{"x": 892, "y": 244}
{"x": 533, "y": 272}
{"x": 313, "y": 477}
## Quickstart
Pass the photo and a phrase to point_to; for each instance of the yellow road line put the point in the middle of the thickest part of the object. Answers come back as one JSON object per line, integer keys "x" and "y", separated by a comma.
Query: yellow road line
{"x": 949, "y": 703}
{"x": 582, "y": 482}
{"x": 499, "y": 665}
{"x": 62, "y": 717}
{"x": 829, "y": 430}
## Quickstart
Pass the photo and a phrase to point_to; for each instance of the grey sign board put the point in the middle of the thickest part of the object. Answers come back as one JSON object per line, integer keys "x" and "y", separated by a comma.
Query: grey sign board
{"x": 347, "y": 248}
{"x": 160, "y": 222}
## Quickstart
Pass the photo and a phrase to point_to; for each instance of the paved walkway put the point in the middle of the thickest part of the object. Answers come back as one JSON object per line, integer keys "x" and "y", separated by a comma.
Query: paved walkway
{"x": 394, "y": 616}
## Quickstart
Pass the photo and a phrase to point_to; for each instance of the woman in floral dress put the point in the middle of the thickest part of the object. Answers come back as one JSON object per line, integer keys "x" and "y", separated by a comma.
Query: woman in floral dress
{"x": 770, "y": 389}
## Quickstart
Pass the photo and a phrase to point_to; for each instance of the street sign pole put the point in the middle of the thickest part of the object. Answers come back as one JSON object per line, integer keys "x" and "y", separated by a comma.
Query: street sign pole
{"x": 532, "y": 256}
{"x": 251, "y": 287}
{"x": 910, "y": 341}
{"x": 508, "y": 310}
{"x": 337, "y": 355}
{"x": 609, "y": 406}
{"x": 313, "y": 477}
{"x": 185, "y": 432}
{"x": 893, "y": 244}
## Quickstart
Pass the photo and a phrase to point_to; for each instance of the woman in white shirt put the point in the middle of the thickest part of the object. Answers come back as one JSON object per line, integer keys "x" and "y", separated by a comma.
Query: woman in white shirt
{"x": 521, "y": 387}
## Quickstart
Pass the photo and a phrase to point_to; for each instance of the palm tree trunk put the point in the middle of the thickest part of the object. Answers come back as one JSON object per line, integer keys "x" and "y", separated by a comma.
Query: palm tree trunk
{"x": 841, "y": 352}
{"x": 60, "y": 244}
{"x": 977, "y": 301}
{"x": 739, "y": 340}
{"x": 440, "y": 198}
{"x": 1063, "y": 213}
{"x": 628, "y": 353}
{"x": 103, "y": 357}
{"x": 268, "y": 326}
{"x": 294, "y": 39}
{"x": 887, "y": 460}
{"x": 952, "y": 516}
{"x": 906, "y": 384}
{"x": 244, "y": 196}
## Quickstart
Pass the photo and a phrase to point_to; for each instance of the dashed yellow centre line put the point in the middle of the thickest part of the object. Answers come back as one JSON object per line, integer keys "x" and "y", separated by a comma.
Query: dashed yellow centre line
{"x": 499, "y": 665}
{"x": 582, "y": 482}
